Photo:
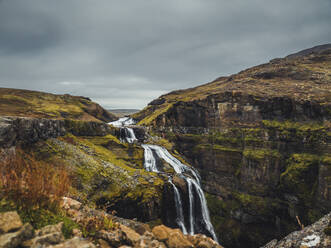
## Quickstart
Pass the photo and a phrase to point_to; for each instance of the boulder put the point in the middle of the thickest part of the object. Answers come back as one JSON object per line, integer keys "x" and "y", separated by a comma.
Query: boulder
{"x": 174, "y": 238}
{"x": 131, "y": 236}
{"x": 202, "y": 241}
{"x": 10, "y": 221}
{"x": 45, "y": 240}
{"x": 69, "y": 203}
{"x": 114, "y": 238}
{"x": 50, "y": 229}
{"x": 161, "y": 232}
{"x": 15, "y": 239}
{"x": 178, "y": 240}
{"x": 103, "y": 244}
{"x": 75, "y": 242}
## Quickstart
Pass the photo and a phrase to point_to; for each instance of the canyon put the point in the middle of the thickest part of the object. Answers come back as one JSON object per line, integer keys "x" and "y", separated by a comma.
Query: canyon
{"x": 244, "y": 159}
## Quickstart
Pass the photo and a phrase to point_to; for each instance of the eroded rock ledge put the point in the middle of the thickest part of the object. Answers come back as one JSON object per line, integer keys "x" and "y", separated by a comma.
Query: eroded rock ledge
{"x": 25, "y": 130}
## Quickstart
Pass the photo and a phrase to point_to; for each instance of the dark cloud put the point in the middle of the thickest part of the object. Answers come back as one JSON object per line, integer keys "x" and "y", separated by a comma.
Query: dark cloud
{"x": 125, "y": 53}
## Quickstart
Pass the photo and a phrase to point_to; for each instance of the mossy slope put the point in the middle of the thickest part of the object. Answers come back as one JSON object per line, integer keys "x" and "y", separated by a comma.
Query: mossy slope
{"x": 26, "y": 103}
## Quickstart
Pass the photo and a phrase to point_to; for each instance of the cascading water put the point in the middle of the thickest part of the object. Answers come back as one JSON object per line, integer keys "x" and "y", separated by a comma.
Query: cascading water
{"x": 179, "y": 208}
{"x": 127, "y": 133}
{"x": 192, "y": 180}
{"x": 122, "y": 122}
{"x": 187, "y": 173}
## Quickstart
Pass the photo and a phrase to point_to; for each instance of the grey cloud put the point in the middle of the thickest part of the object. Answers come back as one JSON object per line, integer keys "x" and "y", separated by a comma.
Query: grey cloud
{"x": 125, "y": 53}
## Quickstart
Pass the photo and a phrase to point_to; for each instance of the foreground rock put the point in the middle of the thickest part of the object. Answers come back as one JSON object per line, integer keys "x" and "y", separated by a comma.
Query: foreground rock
{"x": 9, "y": 221}
{"x": 18, "y": 235}
{"x": 130, "y": 233}
{"x": 316, "y": 235}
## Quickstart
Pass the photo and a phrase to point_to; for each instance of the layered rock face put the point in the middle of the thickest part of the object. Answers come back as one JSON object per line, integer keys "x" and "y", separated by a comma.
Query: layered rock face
{"x": 25, "y": 130}
{"x": 261, "y": 142}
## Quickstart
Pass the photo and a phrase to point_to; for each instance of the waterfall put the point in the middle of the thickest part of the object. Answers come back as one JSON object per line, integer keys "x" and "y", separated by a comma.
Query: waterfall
{"x": 191, "y": 213}
{"x": 127, "y": 133}
{"x": 130, "y": 137}
{"x": 121, "y": 122}
{"x": 191, "y": 177}
{"x": 179, "y": 208}
{"x": 150, "y": 162}
{"x": 193, "y": 184}
{"x": 204, "y": 208}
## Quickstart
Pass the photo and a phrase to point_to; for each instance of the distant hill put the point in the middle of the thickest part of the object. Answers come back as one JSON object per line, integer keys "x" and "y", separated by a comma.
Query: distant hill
{"x": 315, "y": 49}
{"x": 26, "y": 103}
{"x": 302, "y": 76}
{"x": 123, "y": 112}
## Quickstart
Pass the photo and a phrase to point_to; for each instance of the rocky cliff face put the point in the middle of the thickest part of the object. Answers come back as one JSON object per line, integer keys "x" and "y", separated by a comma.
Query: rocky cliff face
{"x": 261, "y": 141}
{"x": 25, "y": 130}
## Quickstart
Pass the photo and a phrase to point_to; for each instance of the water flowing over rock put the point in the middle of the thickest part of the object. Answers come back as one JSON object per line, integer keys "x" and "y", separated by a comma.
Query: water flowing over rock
{"x": 127, "y": 135}
{"x": 121, "y": 122}
{"x": 194, "y": 190}
{"x": 154, "y": 153}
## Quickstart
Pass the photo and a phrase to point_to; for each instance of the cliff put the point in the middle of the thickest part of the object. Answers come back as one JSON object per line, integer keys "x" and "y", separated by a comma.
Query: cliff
{"x": 26, "y": 103}
{"x": 261, "y": 142}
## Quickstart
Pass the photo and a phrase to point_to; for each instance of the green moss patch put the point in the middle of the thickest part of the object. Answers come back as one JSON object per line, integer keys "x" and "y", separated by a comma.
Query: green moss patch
{"x": 261, "y": 154}
{"x": 301, "y": 175}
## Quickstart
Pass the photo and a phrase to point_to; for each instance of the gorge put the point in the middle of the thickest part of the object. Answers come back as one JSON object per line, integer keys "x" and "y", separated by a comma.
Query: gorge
{"x": 244, "y": 159}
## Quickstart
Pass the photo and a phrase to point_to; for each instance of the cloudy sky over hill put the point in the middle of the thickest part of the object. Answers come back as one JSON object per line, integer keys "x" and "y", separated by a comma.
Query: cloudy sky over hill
{"x": 125, "y": 53}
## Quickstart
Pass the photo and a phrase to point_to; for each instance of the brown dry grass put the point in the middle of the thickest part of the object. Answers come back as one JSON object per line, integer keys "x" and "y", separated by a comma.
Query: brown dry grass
{"x": 32, "y": 183}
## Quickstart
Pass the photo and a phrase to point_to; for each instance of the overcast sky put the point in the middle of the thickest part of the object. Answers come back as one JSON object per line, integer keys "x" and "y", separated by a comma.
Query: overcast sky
{"x": 124, "y": 53}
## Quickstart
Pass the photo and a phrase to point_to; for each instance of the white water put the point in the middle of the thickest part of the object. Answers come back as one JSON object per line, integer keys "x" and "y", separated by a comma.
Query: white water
{"x": 122, "y": 122}
{"x": 179, "y": 209}
{"x": 150, "y": 162}
{"x": 129, "y": 135}
{"x": 204, "y": 208}
{"x": 181, "y": 169}
{"x": 190, "y": 195}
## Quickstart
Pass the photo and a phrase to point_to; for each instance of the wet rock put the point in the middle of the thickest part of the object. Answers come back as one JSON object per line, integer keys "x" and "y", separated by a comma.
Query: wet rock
{"x": 11, "y": 240}
{"x": 10, "y": 221}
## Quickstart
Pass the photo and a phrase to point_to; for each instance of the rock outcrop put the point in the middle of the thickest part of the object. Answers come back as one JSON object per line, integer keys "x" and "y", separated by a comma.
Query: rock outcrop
{"x": 26, "y": 130}
{"x": 315, "y": 235}
{"x": 261, "y": 142}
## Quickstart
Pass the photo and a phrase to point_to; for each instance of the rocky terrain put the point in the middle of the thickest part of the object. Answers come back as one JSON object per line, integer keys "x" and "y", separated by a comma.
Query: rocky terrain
{"x": 117, "y": 233}
{"x": 261, "y": 142}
